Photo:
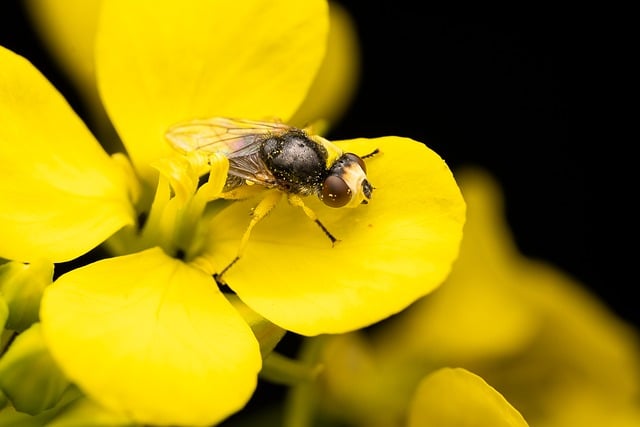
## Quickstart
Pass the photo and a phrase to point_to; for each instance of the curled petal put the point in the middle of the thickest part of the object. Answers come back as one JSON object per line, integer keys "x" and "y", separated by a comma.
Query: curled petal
{"x": 390, "y": 252}
{"x": 147, "y": 336}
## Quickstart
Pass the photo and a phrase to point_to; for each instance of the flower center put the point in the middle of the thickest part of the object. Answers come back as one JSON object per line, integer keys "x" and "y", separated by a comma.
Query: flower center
{"x": 176, "y": 221}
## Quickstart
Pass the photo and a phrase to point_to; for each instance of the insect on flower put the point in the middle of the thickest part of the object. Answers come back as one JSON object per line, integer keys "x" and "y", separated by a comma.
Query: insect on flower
{"x": 277, "y": 156}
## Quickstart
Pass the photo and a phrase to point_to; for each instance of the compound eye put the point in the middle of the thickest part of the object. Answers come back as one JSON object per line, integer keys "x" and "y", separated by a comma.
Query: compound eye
{"x": 357, "y": 159}
{"x": 335, "y": 192}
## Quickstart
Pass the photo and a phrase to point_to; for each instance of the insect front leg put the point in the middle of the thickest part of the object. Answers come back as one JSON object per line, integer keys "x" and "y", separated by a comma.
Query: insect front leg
{"x": 297, "y": 201}
{"x": 261, "y": 210}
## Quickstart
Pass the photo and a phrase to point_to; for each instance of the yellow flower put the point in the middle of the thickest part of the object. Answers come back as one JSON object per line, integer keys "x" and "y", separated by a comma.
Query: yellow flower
{"x": 554, "y": 351}
{"x": 69, "y": 30}
{"x": 458, "y": 398}
{"x": 147, "y": 333}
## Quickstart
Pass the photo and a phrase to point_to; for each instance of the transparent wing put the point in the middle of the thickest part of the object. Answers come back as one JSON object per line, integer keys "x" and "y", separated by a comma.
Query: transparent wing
{"x": 237, "y": 139}
{"x": 249, "y": 168}
{"x": 230, "y": 137}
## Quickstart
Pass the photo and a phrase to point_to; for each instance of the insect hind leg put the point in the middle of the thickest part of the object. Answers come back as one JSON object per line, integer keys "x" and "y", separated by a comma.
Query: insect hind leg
{"x": 261, "y": 210}
{"x": 296, "y": 200}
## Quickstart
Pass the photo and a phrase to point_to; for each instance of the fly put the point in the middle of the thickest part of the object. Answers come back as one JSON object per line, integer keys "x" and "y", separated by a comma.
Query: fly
{"x": 277, "y": 156}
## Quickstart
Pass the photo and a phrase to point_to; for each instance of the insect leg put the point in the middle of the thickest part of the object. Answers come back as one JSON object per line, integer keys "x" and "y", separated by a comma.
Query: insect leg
{"x": 261, "y": 210}
{"x": 297, "y": 201}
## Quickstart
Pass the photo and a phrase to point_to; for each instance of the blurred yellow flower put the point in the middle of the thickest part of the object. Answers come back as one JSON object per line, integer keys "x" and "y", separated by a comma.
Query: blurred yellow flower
{"x": 556, "y": 353}
{"x": 69, "y": 29}
{"x": 147, "y": 333}
{"x": 455, "y": 397}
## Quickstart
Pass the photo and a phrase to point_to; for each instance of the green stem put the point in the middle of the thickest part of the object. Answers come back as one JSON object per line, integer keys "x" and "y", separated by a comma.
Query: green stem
{"x": 301, "y": 402}
{"x": 280, "y": 369}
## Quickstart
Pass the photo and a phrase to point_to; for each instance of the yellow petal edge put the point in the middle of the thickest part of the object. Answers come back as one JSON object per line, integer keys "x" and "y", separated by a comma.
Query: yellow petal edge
{"x": 455, "y": 397}
{"x": 163, "y": 62}
{"x": 147, "y": 336}
{"x": 390, "y": 252}
{"x": 61, "y": 193}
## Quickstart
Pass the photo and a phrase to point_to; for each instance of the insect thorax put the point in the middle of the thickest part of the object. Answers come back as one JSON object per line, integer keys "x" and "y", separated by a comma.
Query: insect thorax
{"x": 297, "y": 162}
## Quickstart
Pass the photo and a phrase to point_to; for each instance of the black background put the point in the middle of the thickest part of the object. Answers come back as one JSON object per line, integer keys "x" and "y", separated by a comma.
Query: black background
{"x": 484, "y": 89}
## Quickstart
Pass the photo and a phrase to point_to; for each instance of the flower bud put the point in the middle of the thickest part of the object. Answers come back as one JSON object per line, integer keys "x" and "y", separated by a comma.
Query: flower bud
{"x": 29, "y": 377}
{"x": 21, "y": 287}
{"x": 4, "y": 314}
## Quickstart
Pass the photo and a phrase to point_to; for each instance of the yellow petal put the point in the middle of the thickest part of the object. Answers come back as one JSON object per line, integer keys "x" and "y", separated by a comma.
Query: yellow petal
{"x": 457, "y": 398}
{"x": 357, "y": 386}
{"x": 390, "y": 252}
{"x": 162, "y": 62}
{"x": 497, "y": 303}
{"x": 147, "y": 336}
{"x": 584, "y": 365}
{"x": 576, "y": 362}
{"x": 337, "y": 78}
{"x": 68, "y": 28}
{"x": 478, "y": 312}
{"x": 61, "y": 193}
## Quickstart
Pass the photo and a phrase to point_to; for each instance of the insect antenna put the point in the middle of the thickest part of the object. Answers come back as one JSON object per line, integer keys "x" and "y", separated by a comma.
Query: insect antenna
{"x": 371, "y": 154}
